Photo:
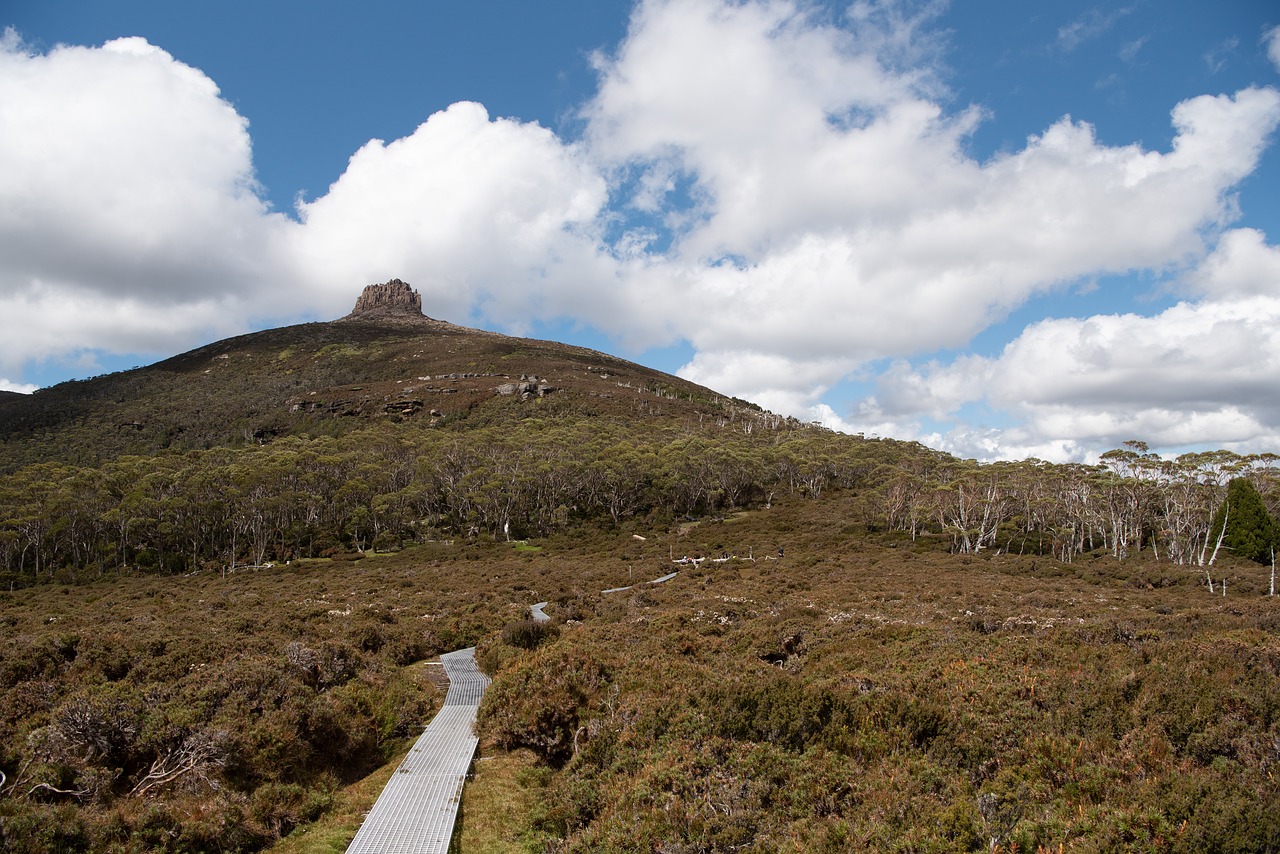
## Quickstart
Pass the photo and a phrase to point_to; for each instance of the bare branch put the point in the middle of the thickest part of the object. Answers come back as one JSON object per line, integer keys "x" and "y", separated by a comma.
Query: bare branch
{"x": 46, "y": 787}
{"x": 196, "y": 755}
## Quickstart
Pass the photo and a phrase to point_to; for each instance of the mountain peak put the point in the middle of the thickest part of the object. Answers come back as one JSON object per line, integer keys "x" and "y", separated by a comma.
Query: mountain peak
{"x": 393, "y": 299}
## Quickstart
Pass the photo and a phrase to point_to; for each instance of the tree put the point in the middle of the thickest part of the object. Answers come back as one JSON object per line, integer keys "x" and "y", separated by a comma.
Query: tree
{"x": 1246, "y": 527}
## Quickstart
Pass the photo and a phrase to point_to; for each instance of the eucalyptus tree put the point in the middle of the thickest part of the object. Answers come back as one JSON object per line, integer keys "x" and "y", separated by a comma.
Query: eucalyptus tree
{"x": 686, "y": 474}
{"x": 1130, "y": 495}
{"x": 972, "y": 504}
{"x": 28, "y": 499}
{"x": 902, "y": 497}
{"x": 622, "y": 476}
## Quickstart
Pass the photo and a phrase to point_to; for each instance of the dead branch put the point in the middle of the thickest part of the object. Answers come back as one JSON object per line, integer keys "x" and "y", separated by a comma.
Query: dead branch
{"x": 46, "y": 787}
{"x": 196, "y": 755}
{"x": 16, "y": 780}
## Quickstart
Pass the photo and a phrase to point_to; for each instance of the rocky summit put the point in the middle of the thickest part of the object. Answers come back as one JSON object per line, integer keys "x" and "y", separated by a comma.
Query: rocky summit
{"x": 393, "y": 299}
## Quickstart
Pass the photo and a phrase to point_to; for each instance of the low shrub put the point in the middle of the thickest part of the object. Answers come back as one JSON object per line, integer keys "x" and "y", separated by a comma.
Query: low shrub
{"x": 528, "y": 634}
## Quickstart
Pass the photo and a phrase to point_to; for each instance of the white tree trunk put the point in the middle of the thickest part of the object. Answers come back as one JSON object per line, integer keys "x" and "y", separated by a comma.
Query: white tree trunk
{"x": 1226, "y": 514}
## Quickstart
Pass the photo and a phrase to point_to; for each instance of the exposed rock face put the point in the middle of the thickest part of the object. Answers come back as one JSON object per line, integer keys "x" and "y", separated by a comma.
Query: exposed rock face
{"x": 394, "y": 299}
{"x": 528, "y": 387}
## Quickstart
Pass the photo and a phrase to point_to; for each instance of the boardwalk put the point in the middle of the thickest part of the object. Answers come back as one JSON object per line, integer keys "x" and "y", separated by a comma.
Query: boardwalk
{"x": 416, "y": 811}
{"x": 663, "y": 580}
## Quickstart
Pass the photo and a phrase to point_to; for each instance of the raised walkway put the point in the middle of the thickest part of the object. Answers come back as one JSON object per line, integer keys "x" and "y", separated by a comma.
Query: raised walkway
{"x": 663, "y": 580}
{"x": 416, "y": 811}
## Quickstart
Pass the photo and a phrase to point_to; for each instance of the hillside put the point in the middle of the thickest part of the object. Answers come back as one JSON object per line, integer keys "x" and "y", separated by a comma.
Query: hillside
{"x": 329, "y": 378}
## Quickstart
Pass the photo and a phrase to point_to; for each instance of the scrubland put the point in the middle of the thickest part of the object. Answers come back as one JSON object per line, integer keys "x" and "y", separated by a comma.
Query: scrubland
{"x": 861, "y": 690}
{"x": 869, "y": 693}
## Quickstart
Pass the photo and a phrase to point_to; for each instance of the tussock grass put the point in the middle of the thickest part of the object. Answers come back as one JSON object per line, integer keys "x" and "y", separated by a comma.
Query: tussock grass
{"x": 332, "y": 833}
{"x": 497, "y": 805}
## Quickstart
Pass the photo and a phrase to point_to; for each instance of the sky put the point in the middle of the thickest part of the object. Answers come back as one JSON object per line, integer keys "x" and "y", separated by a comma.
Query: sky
{"x": 1002, "y": 229}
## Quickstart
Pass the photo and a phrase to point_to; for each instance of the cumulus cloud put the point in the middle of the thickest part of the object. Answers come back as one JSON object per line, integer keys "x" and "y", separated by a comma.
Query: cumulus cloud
{"x": 132, "y": 215}
{"x": 21, "y": 388}
{"x": 836, "y": 216}
{"x": 1242, "y": 265}
{"x": 1200, "y": 372}
{"x": 495, "y": 216}
{"x": 127, "y": 202}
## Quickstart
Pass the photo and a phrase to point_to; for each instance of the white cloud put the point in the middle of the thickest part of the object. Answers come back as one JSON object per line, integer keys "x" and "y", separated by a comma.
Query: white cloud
{"x": 838, "y": 218}
{"x": 127, "y": 202}
{"x": 64, "y": 321}
{"x": 130, "y": 213}
{"x": 1201, "y": 372}
{"x": 21, "y": 388}
{"x": 494, "y": 215}
{"x": 1272, "y": 40}
{"x": 1243, "y": 264}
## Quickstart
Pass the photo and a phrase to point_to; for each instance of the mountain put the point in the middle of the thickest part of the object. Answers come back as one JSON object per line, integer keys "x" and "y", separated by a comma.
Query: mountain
{"x": 385, "y": 360}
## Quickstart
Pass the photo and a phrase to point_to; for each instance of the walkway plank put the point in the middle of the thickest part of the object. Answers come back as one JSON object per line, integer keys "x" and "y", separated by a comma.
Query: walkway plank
{"x": 416, "y": 811}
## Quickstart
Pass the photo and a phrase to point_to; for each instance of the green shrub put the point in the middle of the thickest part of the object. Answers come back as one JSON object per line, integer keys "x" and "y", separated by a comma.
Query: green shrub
{"x": 528, "y": 634}
{"x": 540, "y": 701}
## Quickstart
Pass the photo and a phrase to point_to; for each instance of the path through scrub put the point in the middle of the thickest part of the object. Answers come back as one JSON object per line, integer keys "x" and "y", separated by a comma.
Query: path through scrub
{"x": 416, "y": 812}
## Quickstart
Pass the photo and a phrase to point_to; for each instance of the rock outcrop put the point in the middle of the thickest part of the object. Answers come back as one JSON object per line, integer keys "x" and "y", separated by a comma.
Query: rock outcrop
{"x": 392, "y": 300}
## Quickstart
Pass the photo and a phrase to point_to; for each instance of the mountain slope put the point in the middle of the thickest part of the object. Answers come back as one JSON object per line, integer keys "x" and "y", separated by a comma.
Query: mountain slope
{"x": 325, "y": 378}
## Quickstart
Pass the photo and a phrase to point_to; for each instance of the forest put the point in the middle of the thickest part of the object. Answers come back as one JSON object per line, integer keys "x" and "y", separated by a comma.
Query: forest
{"x": 389, "y": 484}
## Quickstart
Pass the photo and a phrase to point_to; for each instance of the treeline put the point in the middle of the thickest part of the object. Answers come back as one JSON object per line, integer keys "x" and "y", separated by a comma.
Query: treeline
{"x": 1132, "y": 501}
{"x": 391, "y": 484}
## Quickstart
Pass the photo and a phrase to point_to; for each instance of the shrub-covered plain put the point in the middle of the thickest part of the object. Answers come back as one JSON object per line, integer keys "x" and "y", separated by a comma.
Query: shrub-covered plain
{"x": 862, "y": 690}
{"x": 865, "y": 697}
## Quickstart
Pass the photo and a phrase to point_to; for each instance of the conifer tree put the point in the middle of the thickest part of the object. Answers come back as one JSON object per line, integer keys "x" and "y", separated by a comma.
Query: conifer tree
{"x": 1250, "y": 531}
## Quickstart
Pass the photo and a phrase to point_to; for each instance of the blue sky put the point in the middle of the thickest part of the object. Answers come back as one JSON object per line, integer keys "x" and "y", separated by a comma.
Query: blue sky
{"x": 1002, "y": 229}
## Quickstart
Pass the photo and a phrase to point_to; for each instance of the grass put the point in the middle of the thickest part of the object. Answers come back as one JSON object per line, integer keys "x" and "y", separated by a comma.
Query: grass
{"x": 334, "y": 832}
{"x": 497, "y": 802}
{"x": 493, "y": 818}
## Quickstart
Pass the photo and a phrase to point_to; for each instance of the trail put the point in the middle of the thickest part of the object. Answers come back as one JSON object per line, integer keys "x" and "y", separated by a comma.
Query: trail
{"x": 661, "y": 580}
{"x": 416, "y": 811}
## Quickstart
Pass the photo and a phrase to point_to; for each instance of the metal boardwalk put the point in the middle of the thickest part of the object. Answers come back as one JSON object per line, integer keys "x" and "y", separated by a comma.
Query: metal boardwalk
{"x": 416, "y": 811}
